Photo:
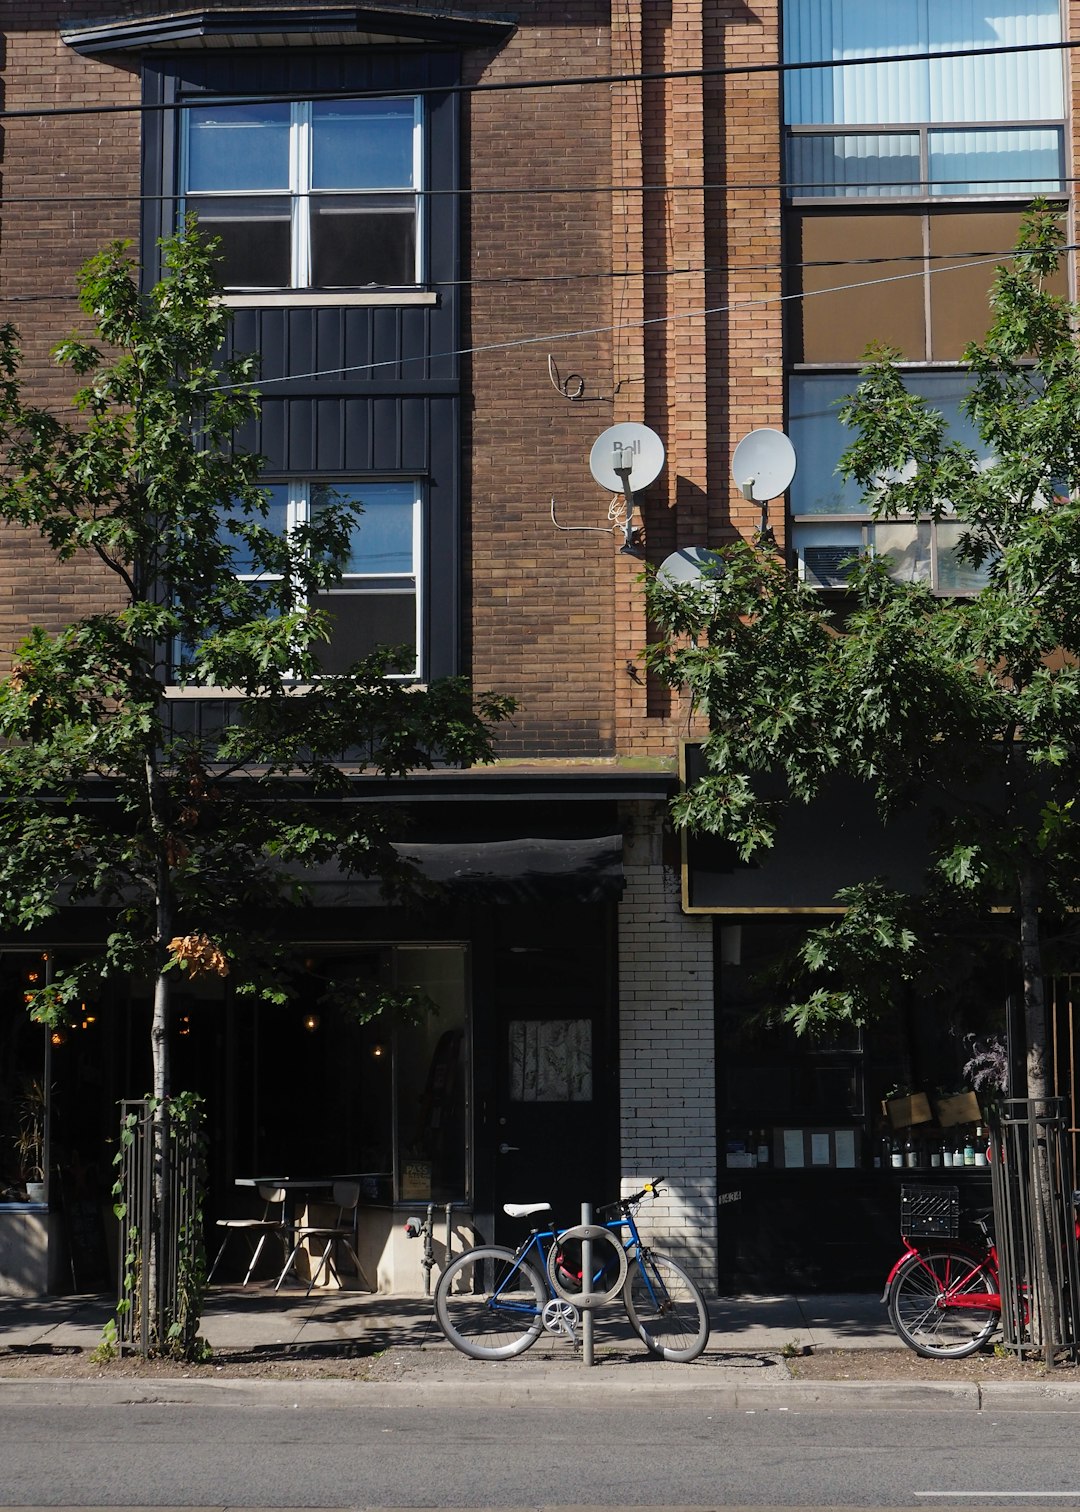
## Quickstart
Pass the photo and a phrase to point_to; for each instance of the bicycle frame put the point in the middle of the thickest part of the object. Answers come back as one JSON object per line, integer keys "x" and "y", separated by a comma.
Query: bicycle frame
{"x": 538, "y": 1244}
{"x": 970, "y": 1261}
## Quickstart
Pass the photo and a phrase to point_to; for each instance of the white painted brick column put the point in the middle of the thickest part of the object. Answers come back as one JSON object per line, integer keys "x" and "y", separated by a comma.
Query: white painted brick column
{"x": 667, "y": 1068}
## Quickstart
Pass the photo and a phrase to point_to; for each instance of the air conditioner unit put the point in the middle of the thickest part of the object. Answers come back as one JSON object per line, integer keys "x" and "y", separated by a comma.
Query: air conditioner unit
{"x": 824, "y": 566}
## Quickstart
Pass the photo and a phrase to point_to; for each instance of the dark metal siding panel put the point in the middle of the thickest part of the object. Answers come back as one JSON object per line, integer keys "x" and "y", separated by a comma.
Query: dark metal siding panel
{"x": 386, "y": 434}
{"x": 358, "y": 450}
{"x": 271, "y": 434}
{"x": 329, "y": 449}
{"x": 443, "y": 540}
{"x": 301, "y": 436}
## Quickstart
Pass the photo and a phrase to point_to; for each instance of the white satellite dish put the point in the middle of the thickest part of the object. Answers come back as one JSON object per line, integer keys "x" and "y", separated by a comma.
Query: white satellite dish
{"x": 691, "y": 565}
{"x": 626, "y": 456}
{"x": 763, "y": 465}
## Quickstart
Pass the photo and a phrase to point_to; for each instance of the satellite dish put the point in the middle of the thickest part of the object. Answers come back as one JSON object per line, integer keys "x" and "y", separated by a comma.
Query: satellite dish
{"x": 690, "y": 565}
{"x": 763, "y": 465}
{"x": 626, "y": 446}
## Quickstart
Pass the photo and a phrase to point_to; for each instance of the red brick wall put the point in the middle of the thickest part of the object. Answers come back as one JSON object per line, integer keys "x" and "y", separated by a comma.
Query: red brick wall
{"x": 555, "y": 616}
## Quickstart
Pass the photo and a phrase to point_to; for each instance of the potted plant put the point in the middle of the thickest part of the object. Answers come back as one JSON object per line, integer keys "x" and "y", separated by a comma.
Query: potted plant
{"x": 30, "y": 1141}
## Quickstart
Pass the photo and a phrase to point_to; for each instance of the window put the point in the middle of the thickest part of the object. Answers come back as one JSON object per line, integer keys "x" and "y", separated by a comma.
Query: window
{"x": 886, "y": 242}
{"x": 314, "y": 194}
{"x": 377, "y": 601}
{"x": 964, "y": 125}
{"x": 829, "y": 522}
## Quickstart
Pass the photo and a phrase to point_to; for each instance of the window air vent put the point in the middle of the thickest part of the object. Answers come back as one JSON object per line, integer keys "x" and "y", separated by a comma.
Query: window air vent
{"x": 823, "y": 566}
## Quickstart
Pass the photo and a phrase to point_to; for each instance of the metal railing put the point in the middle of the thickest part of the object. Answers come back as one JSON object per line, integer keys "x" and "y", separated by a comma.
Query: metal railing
{"x": 1033, "y": 1183}
{"x": 164, "y": 1235}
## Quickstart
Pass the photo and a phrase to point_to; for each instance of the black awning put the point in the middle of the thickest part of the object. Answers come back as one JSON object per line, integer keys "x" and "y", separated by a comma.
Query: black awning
{"x": 495, "y": 871}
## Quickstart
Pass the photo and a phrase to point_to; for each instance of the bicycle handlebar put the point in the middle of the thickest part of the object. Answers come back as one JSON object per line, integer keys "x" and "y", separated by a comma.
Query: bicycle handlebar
{"x": 624, "y": 1204}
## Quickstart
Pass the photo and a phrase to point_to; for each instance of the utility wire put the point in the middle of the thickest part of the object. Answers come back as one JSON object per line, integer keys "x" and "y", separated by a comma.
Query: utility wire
{"x": 727, "y": 70}
{"x": 609, "y": 275}
{"x": 551, "y": 338}
{"x": 792, "y": 189}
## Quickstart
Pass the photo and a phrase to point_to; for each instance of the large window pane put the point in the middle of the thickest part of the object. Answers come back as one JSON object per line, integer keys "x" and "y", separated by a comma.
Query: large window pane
{"x": 844, "y": 260}
{"x": 382, "y": 540}
{"x": 954, "y": 575}
{"x": 363, "y": 240}
{"x": 830, "y": 165}
{"x": 431, "y": 1078}
{"x": 276, "y": 519}
{"x": 362, "y": 144}
{"x": 256, "y": 240}
{"x": 994, "y": 87}
{"x": 996, "y": 162}
{"x": 362, "y": 622}
{"x": 238, "y": 147}
{"x": 820, "y": 440}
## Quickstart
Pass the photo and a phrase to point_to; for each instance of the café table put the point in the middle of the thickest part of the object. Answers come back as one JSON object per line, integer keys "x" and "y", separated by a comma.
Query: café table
{"x": 301, "y": 1192}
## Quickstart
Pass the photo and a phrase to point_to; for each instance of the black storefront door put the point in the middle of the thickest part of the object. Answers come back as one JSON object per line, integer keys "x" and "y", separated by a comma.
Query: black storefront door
{"x": 546, "y": 1064}
{"x": 550, "y": 1135}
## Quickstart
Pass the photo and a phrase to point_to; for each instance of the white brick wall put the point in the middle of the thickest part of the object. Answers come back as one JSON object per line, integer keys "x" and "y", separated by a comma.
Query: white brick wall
{"x": 666, "y": 1052}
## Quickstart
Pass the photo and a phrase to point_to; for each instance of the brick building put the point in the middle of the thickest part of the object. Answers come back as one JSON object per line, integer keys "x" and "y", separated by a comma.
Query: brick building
{"x": 495, "y": 234}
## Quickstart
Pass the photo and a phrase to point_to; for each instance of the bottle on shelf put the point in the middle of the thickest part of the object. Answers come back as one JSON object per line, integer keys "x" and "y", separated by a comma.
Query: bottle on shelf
{"x": 947, "y": 1151}
{"x": 763, "y": 1151}
{"x": 911, "y": 1151}
{"x": 936, "y": 1154}
{"x": 981, "y": 1141}
{"x": 896, "y": 1153}
{"x": 969, "y": 1147}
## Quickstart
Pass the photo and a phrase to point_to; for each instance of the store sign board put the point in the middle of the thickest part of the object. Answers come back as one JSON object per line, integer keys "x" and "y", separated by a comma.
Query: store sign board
{"x": 836, "y": 841}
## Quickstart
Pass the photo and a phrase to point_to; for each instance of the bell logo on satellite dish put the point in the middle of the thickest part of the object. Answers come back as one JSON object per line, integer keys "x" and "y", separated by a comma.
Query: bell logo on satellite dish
{"x": 625, "y": 459}
{"x": 763, "y": 465}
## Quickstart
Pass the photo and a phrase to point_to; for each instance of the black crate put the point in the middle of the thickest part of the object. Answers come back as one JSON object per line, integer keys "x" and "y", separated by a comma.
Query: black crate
{"x": 929, "y": 1212}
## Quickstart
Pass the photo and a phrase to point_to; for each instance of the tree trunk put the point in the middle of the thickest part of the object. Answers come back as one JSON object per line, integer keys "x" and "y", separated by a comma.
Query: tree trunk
{"x": 1046, "y": 1313}
{"x": 160, "y": 1227}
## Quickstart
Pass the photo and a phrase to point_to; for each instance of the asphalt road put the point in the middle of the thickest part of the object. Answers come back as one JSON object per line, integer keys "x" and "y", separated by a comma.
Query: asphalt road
{"x": 375, "y": 1452}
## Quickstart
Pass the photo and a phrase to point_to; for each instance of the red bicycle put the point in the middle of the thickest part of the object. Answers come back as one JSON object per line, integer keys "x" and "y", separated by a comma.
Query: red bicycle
{"x": 944, "y": 1297}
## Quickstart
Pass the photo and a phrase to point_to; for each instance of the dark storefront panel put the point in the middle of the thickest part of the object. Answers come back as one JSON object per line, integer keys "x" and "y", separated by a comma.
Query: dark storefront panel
{"x": 803, "y": 1131}
{"x": 819, "y": 1231}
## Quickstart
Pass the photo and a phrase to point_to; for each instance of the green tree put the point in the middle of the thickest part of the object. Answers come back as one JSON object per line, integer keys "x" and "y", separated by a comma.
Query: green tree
{"x": 187, "y": 838}
{"x": 970, "y": 706}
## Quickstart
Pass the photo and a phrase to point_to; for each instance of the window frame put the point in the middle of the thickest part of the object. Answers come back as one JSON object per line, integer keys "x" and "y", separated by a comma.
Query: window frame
{"x": 298, "y": 505}
{"x": 301, "y": 194}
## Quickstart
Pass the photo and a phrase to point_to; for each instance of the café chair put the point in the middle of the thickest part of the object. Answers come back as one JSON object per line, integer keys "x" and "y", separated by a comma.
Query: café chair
{"x": 332, "y": 1236}
{"x": 257, "y": 1231}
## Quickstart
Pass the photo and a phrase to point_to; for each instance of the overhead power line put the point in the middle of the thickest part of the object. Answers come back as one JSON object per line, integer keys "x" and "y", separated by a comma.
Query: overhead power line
{"x": 973, "y": 257}
{"x": 502, "y": 86}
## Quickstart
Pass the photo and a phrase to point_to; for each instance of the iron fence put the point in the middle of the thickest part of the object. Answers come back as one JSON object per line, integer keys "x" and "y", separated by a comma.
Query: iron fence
{"x": 1033, "y": 1181}
{"x": 161, "y": 1238}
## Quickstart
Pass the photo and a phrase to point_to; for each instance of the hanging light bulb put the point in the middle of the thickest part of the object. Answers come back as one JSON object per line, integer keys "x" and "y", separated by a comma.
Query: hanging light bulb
{"x": 310, "y": 1022}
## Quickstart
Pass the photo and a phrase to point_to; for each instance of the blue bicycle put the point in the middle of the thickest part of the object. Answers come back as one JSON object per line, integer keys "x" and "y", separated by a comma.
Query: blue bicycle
{"x": 493, "y": 1302}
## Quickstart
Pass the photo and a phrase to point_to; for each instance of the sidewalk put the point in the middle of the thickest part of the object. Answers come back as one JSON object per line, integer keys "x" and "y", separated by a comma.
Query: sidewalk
{"x": 258, "y": 1319}
{"x": 405, "y": 1361}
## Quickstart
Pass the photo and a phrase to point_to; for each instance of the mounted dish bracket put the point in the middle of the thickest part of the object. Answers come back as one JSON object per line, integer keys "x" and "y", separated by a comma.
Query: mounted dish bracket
{"x": 625, "y": 459}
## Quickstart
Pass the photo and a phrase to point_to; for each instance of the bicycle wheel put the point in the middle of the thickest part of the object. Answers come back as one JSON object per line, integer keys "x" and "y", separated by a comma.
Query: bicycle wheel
{"x": 490, "y": 1305}
{"x": 919, "y": 1303}
{"x": 665, "y": 1308}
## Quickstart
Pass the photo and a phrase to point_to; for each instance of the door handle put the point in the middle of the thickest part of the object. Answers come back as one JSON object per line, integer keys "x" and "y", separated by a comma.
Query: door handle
{"x": 505, "y": 1149}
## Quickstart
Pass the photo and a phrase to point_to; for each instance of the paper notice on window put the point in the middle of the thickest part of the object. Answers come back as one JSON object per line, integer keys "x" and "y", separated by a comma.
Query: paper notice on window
{"x": 819, "y": 1149}
{"x": 845, "y": 1149}
{"x": 793, "y": 1148}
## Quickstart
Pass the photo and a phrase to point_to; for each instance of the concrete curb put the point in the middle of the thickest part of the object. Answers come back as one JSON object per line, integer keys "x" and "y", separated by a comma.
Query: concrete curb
{"x": 539, "y": 1387}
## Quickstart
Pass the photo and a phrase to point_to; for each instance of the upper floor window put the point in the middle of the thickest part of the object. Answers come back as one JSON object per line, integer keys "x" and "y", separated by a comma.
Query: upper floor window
{"x": 313, "y": 194}
{"x": 969, "y": 125}
{"x": 377, "y": 600}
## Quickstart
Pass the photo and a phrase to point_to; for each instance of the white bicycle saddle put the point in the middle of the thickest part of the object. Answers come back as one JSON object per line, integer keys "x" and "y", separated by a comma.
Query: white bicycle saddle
{"x": 525, "y": 1209}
